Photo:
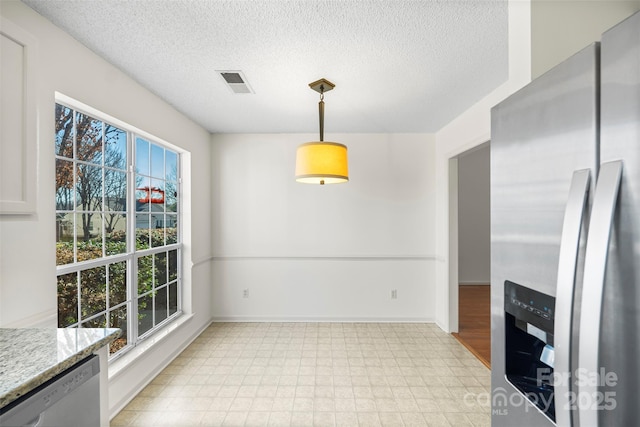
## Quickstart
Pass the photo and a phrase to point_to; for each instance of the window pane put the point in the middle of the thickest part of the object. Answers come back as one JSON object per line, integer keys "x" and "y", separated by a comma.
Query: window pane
{"x": 161, "y": 304}
{"x": 173, "y": 265}
{"x": 157, "y": 234}
{"x": 145, "y": 274}
{"x": 117, "y": 283}
{"x": 115, "y": 226}
{"x": 172, "y": 229}
{"x": 157, "y": 161}
{"x": 88, "y": 139}
{"x": 142, "y": 231}
{"x": 118, "y": 319}
{"x": 143, "y": 194}
{"x": 142, "y": 156}
{"x": 145, "y": 314}
{"x": 115, "y": 190}
{"x": 64, "y": 131}
{"x": 115, "y": 149}
{"x": 64, "y": 185}
{"x": 64, "y": 238}
{"x": 96, "y": 322}
{"x": 67, "y": 300}
{"x": 89, "y": 229}
{"x": 173, "y": 298}
{"x": 93, "y": 290}
{"x": 157, "y": 195}
{"x": 171, "y": 197}
{"x": 160, "y": 269}
{"x": 89, "y": 188}
{"x": 171, "y": 168}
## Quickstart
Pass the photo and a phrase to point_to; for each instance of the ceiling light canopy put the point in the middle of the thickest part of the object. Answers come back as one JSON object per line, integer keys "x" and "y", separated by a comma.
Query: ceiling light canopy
{"x": 321, "y": 162}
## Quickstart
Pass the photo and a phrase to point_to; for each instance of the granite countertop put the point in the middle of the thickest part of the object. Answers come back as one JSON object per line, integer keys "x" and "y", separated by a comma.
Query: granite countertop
{"x": 30, "y": 357}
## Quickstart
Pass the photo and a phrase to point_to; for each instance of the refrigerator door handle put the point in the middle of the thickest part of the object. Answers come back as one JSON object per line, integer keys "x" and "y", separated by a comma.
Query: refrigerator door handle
{"x": 604, "y": 204}
{"x": 568, "y": 259}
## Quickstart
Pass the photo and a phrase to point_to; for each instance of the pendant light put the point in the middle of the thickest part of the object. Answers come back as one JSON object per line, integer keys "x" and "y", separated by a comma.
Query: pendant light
{"x": 321, "y": 162}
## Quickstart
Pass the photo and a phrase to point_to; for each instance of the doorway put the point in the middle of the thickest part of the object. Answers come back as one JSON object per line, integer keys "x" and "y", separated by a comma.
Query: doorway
{"x": 474, "y": 248}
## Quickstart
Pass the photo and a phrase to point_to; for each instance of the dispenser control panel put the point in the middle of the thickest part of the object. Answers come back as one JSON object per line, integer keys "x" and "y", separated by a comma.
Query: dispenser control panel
{"x": 529, "y": 305}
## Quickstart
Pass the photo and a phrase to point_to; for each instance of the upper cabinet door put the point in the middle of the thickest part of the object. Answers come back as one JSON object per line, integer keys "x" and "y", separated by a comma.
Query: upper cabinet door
{"x": 17, "y": 120}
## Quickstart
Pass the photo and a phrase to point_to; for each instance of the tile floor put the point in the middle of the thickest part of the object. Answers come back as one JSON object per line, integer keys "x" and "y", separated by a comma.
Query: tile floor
{"x": 317, "y": 374}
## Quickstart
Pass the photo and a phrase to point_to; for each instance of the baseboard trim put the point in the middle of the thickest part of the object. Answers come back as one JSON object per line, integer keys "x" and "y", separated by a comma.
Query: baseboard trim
{"x": 474, "y": 283}
{"x": 319, "y": 319}
{"x": 219, "y": 258}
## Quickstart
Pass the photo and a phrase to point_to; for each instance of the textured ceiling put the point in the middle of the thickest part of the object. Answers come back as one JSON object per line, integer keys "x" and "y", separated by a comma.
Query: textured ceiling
{"x": 398, "y": 66}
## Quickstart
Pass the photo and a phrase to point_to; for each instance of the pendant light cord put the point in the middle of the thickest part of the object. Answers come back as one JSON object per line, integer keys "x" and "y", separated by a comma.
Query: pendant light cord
{"x": 321, "y": 112}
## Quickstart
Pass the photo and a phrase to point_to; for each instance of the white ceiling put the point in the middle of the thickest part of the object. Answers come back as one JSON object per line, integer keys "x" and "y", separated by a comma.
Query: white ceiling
{"x": 398, "y": 66}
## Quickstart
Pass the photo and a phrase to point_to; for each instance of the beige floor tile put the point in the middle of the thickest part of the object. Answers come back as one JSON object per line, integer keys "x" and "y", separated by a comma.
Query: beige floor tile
{"x": 124, "y": 418}
{"x": 324, "y": 419}
{"x": 458, "y": 419}
{"x": 208, "y": 390}
{"x": 305, "y": 391}
{"x": 436, "y": 420}
{"x": 369, "y": 419}
{"x": 480, "y": 419}
{"x": 365, "y": 405}
{"x": 391, "y": 419}
{"x": 235, "y": 419}
{"x": 146, "y": 418}
{"x": 303, "y": 404}
{"x": 241, "y": 404}
{"x": 345, "y": 405}
{"x": 283, "y": 404}
{"x": 220, "y": 403}
{"x": 303, "y": 374}
{"x": 346, "y": 419}
{"x": 280, "y": 419}
{"x": 386, "y": 405}
{"x": 266, "y": 391}
{"x": 413, "y": 419}
{"x": 324, "y": 404}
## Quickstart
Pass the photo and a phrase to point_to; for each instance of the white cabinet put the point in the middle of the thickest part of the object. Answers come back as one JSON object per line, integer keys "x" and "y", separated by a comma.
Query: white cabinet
{"x": 17, "y": 120}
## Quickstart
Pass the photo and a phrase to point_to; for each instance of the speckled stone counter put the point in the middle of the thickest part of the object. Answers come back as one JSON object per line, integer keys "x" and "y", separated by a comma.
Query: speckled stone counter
{"x": 30, "y": 357}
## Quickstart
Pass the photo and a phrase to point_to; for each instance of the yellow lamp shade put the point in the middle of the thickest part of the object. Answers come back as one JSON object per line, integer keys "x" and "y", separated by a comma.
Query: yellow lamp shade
{"x": 322, "y": 163}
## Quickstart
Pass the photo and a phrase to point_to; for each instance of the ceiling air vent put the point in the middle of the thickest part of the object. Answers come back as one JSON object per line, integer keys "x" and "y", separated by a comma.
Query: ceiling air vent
{"x": 236, "y": 81}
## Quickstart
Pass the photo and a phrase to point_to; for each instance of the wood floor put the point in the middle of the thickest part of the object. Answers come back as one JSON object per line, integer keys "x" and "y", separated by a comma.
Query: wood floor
{"x": 474, "y": 328}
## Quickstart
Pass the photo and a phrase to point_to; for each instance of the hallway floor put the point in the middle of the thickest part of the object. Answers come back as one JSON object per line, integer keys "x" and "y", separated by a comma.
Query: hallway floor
{"x": 474, "y": 320}
{"x": 317, "y": 374}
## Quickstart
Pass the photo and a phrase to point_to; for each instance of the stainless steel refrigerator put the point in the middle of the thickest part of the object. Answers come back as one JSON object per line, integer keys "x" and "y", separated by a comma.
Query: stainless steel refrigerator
{"x": 565, "y": 241}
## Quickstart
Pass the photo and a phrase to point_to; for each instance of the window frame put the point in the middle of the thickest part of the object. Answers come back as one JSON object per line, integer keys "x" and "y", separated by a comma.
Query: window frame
{"x": 131, "y": 254}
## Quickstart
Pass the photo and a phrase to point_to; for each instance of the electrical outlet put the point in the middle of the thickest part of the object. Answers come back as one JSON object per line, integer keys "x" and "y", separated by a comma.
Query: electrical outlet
{"x": 394, "y": 294}
{"x": 245, "y": 293}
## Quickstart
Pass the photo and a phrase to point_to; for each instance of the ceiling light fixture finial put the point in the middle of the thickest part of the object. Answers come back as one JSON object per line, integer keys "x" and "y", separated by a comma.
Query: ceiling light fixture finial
{"x": 322, "y": 162}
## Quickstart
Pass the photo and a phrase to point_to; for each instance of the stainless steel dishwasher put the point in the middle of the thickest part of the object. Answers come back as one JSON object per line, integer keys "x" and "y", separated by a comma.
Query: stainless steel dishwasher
{"x": 70, "y": 399}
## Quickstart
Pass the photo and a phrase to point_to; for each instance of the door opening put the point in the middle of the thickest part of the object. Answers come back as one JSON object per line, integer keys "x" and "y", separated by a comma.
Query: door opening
{"x": 473, "y": 242}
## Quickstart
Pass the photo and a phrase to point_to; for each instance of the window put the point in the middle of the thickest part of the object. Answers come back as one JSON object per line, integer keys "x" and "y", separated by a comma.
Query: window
{"x": 117, "y": 238}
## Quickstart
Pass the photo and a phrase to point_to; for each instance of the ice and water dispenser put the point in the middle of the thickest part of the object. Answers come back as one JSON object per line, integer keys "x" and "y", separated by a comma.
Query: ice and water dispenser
{"x": 529, "y": 319}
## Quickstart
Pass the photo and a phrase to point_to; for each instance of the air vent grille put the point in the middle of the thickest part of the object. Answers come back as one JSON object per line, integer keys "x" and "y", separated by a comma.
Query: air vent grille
{"x": 236, "y": 81}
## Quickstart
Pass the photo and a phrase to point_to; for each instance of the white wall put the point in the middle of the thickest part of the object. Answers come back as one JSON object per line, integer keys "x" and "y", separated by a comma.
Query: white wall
{"x": 563, "y": 27}
{"x": 334, "y": 252}
{"x": 474, "y": 216}
{"x": 27, "y": 243}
